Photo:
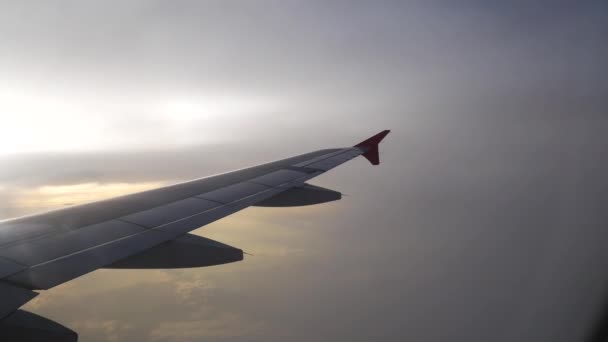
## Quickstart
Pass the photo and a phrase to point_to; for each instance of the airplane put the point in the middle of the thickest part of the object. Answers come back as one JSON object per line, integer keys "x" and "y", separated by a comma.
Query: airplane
{"x": 147, "y": 230}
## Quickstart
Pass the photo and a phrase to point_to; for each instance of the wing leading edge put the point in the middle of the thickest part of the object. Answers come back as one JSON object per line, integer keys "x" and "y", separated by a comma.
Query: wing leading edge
{"x": 45, "y": 250}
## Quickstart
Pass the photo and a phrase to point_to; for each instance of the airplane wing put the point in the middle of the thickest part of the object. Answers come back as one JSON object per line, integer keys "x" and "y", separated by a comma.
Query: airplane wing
{"x": 150, "y": 229}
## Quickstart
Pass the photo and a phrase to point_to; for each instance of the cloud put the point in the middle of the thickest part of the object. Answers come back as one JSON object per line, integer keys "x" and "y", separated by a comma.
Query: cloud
{"x": 225, "y": 326}
{"x": 110, "y": 330}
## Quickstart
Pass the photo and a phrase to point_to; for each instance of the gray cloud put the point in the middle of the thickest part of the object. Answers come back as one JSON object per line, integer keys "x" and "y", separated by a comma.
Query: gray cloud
{"x": 484, "y": 222}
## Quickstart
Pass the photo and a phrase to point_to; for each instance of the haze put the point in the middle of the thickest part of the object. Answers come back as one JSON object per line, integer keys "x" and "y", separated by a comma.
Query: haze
{"x": 485, "y": 221}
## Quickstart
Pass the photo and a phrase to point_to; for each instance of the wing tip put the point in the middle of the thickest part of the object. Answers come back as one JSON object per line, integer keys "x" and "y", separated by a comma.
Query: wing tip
{"x": 370, "y": 147}
{"x": 374, "y": 140}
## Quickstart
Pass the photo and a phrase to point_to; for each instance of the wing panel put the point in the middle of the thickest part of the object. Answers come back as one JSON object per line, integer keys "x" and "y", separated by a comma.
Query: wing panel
{"x": 233, "y": 192}
{"x": 55, "y": 272}
{"x": 8, "y": 267}
{"x": 14, "y": 232}
{"x": 331, "y": 162}
{"x": 319, "y": 158}
{"x": 278, "y": 177}
{"x": 32, "y": 252}
{"x": 171, "y": 212}
{"x": 325, "y": 165}
{"x": 250, "y": 200}
{"x": 185, "y": 225}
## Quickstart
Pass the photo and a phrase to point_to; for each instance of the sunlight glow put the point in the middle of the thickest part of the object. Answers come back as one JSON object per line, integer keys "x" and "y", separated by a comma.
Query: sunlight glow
{"x": 45, "y": 118}
{"x": 52, "y": 197}
{"x": 215, "y": 107}
{"x": 36, "y": 121}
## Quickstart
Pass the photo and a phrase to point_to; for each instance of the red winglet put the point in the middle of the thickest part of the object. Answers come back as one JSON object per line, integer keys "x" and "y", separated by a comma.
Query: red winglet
{"x": 371, "y": 147}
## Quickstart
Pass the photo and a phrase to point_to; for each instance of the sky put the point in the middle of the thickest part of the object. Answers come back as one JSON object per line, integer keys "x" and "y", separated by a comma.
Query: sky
{"x": 485, "y": 220}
